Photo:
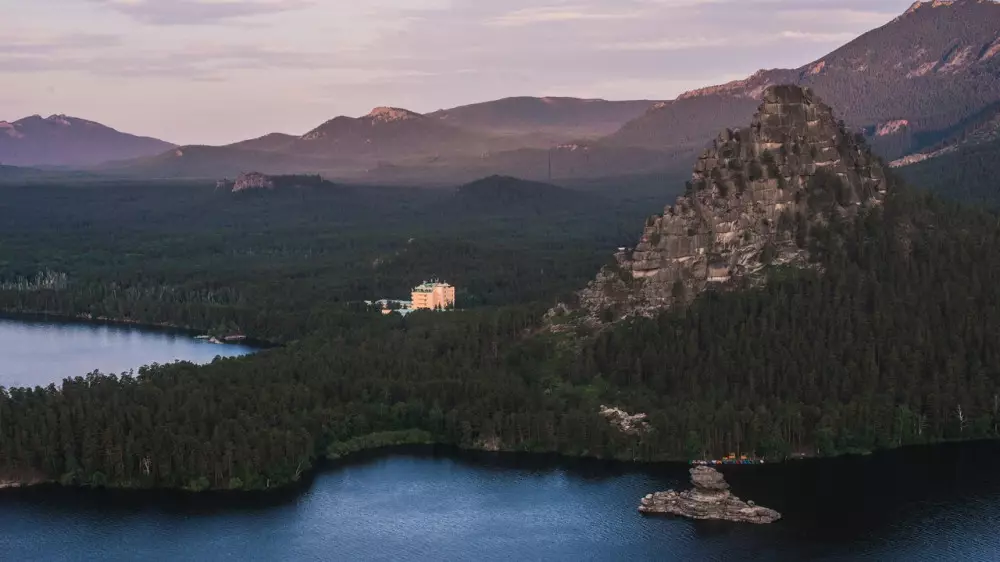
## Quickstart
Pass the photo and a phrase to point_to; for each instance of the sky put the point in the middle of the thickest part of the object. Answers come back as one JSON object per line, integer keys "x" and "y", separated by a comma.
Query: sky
{"x": 220, "y": 71}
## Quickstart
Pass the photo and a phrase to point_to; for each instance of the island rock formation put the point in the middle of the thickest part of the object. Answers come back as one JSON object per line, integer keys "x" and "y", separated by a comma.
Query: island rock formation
{"x": 255, "y": 181}
{"x": 250, "y": 180}
{"x": 755, "y": 196}
{"x": 710, "y": 499}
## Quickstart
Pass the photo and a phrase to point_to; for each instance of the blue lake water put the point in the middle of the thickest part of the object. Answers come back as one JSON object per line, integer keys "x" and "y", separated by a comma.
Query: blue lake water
{"x": 39, "y": 352}
{"x": 425, "y": 503}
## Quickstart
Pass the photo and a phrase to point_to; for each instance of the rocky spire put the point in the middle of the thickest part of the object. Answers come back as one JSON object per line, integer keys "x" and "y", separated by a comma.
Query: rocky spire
{"x": 753, "y": 198}
{"x": 710, "y": 499}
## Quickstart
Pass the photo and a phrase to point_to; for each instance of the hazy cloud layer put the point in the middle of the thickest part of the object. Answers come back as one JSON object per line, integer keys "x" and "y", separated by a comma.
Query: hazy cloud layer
{"x": 188, "y": 12}
{"x": 222, "y": 70}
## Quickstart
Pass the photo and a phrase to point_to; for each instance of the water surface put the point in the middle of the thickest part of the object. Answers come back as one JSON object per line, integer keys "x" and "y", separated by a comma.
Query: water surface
{"x": 39, "y": 352}
{"x": 936, "y": 503}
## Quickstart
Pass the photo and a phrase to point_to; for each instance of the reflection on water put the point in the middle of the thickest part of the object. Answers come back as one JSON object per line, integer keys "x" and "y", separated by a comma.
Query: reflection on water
{"x": 37, "y": 352}
{"x": 422, "y": 503}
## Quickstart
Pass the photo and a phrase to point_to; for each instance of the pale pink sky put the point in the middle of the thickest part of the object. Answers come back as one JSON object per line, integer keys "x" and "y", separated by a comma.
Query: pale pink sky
{"x": 217, "y": 71}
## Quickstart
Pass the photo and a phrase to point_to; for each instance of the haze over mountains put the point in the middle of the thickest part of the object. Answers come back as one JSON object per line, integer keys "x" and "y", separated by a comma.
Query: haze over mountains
{"x": 924, "y": 84}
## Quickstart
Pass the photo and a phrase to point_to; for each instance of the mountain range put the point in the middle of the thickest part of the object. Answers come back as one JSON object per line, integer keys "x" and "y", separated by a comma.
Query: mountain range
{"x": 60, "y": 140}
{"x": 928, "y": 76}
{"x": 923, "y": 85}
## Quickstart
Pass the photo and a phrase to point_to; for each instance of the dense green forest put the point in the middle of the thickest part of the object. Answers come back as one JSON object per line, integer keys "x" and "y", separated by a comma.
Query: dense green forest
{"x": 968, "y": 174}
{"x": 889, "y": 341}
{"x": 273, "y": 263}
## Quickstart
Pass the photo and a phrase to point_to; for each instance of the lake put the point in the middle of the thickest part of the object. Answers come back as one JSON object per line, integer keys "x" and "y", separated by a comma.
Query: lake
{"x": 39, "y": 352}
{"x": 933, "y": 503}
{"x": 436, "y": 503}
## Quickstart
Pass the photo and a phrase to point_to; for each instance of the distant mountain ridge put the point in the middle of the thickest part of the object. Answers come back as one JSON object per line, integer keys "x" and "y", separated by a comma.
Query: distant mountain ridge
{"x": 61, "y": 140}
{"x": 398, "y": 145}
{"x": 570, "y": 118}
{"x": 908, "y": 84}
{"x": 916, "y": 87}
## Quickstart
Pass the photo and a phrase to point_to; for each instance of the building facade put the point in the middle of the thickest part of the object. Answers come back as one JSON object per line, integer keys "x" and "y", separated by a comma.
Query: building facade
{"x": 433, "y": 296}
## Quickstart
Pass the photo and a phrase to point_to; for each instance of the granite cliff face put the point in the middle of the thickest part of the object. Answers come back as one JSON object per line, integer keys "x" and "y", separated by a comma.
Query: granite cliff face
{"x": 755, "y": 196}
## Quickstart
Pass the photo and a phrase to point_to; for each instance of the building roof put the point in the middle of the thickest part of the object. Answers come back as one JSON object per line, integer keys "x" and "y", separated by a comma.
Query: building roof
{"x": 426, "y": 287}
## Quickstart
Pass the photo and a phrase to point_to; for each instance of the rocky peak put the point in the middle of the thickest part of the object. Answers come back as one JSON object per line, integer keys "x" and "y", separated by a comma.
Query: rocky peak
{"x": 754, "y": 196}
{"x": 391, "y": 114}
{"x": 59, "y": 119}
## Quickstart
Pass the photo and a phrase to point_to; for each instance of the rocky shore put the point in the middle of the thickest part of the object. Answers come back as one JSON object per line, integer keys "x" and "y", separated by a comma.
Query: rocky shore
{"x": 710, "y": 499}
{"x": 11, "y": 483}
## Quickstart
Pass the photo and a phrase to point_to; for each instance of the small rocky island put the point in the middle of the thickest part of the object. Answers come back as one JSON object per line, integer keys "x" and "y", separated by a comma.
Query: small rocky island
{"x": 710, "y": 499}
{"x": 256, "y": 181}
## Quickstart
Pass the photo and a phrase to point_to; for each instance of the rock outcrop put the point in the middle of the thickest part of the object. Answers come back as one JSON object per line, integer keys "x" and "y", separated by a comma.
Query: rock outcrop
{"x": 625, "y": 422}
{"x": 710, "y": 499}
{"x": 252, "y": 180}
{"x": 754, "y": 197}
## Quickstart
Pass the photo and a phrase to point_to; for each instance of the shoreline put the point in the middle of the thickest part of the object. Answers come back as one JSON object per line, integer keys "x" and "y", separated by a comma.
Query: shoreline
{"x": 511, "y": 459}
{"x": 86, "y": 318}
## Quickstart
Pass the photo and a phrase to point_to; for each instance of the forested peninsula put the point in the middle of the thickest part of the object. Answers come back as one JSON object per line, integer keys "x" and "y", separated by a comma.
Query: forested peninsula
{"x": 883, "y": 337}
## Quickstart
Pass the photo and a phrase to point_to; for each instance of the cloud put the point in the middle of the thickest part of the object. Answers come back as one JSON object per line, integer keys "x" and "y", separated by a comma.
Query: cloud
{"x": 668, "y": 44}
{"x": 645, "y": 88}
{"x": 37, "y": 42}
{"x": 35, "y": 50}
{"x": 556, "y": 14}
{"x": 196, "y": 12}
{"x": 195, "y": 61}
{"x": 842, "y": 16}
{"x": 760, "y": 40}
{"x": 819, "y": 37}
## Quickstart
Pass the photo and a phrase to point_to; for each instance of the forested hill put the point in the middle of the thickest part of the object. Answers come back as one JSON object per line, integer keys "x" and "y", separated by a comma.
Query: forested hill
{"x": 887, "y": 342}
{"x": 61, "y": 140}
{"x": 505, "y": 195}
{"x": 869, "y": 318}
{"x": 967, "y": 174}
